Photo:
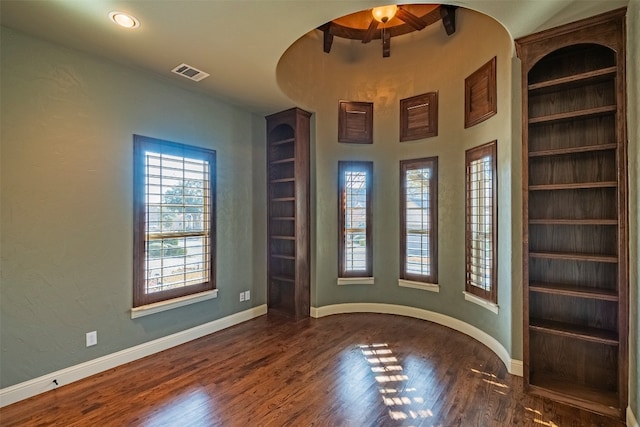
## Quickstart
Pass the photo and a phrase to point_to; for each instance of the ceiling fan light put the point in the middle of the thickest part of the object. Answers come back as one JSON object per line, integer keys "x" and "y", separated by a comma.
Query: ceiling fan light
{"x": 384, "y": 13}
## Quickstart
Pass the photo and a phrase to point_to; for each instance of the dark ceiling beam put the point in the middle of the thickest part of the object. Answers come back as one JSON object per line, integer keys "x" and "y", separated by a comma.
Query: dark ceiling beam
{"x": 386, "y": 44}
{"x": 371, "y": 31}
{"x": 448, "y": 14}
{"x": 411, "y": 19}
{"x": 328, "y": 37}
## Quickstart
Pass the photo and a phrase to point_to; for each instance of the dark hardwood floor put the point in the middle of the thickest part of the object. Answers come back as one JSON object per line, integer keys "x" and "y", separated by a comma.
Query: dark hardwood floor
{"x": 342, "y": 370}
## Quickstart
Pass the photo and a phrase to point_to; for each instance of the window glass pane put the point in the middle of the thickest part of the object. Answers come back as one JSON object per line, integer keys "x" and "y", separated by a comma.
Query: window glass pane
{"x": 355, "y": 221}
{"x": 177, "y": 241}
{"x": 419, "y": 196}
{"x": 480, "y": 221}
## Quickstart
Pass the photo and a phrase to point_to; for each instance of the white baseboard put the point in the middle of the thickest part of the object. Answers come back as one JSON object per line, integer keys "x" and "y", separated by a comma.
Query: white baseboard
{"x": 632, "y": 421}
{"x": 74, "y": 373}
{"x": 515, "y": 367}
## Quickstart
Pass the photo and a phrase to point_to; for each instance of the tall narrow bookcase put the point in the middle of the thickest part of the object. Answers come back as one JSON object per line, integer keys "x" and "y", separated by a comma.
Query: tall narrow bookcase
{"x": 288, "y": 198}
{"x": 575, "y": 213}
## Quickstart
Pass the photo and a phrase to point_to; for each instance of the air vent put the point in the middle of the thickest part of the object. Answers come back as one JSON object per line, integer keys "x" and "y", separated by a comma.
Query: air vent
{"x": 190, "y": 72}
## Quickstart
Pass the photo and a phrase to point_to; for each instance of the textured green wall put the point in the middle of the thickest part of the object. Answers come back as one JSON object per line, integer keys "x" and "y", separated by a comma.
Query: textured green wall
{"x": 67, "y": 125}
{"x": 422, "y": 62}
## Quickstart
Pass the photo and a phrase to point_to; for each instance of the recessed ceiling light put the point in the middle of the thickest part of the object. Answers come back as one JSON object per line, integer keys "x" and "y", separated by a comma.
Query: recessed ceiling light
{"x": 124, "y": 19}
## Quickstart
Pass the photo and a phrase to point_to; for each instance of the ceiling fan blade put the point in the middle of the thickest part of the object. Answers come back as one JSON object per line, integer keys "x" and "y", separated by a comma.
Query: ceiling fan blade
{"x": 411, "y": 19}
{"x": 371, "y": 31}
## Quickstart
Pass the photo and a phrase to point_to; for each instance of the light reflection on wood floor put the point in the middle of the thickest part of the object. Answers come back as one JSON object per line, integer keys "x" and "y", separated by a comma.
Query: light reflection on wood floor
{"x": 342, "y": 370}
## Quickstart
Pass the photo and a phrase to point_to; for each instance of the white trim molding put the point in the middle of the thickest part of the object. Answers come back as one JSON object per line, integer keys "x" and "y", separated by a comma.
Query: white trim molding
{"x": 355, "y": 281}
{"x": 492, "y": 307}
{"x": 74, "y": 373}
{"x": 515, "y": 367}
{"x": 431, "y": 287}
{"x": 632, "y": 421}
{"x": 158, "y": 307}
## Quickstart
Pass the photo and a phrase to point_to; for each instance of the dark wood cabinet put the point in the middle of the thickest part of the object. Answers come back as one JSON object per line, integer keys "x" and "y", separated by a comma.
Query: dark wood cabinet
{"x": 288, "y": 198}
{"x": 575, "y": 206}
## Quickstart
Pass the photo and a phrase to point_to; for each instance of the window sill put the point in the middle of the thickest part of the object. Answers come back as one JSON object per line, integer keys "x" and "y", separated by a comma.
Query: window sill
{"x": 355, "y": 281}
{"x": 146, "y": 310}
{"x": 431, "y": 287}
{"x": 481, "y": 302}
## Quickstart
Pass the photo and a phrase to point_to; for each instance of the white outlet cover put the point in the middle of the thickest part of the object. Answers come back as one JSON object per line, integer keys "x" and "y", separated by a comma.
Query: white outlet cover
{"x": 247, "y": 295}
{"x": 92, "y": 338}
{"x": 241, "y": 296}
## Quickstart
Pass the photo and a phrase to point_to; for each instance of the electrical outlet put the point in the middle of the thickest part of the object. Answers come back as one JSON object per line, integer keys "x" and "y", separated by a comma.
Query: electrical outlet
{"x": 247, "y": 295}
{"x": 241, "y": 296}
{"x": 92, "y": 338}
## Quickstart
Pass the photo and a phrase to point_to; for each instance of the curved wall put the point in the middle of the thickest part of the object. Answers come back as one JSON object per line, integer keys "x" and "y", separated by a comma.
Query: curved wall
{"x": 421, "y": 62}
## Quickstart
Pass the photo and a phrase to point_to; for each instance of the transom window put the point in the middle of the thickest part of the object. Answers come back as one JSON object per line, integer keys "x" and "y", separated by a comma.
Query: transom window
{"x": 481, "y": 228}
{"x": 174, "y": 226}
{"x": 356, "y": 246}
{"x": 419, "y": 220}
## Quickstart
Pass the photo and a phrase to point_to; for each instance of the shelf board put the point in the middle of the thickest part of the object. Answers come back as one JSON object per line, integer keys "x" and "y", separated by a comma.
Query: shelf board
{"x": 573, "y": 186}
{"x": 589, "y": 112}
{"x": 557, "y": 221}
{"x": 573, "y": 150}
{"x": 284, "y": 279}
{"x": 287, "y": 160}
{"x": 283, "y": 218}
{"x": 573, "y": 291}
{"x": 277, "y": 181}
{"x": 283, "y": 199}
{"x": 567, "y": 391}
{"x": 587, "y": 77}
{"x": 281, "y": 256}
{"x": 282, "y": 141}
{"x": 280, "y": 237}
{"x": 575, "y": 256}
{"x": 585, "y": 333}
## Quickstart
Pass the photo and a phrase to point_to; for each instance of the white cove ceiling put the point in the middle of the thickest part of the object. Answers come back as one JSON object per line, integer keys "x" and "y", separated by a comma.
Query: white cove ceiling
{"x": 238, "y": 42}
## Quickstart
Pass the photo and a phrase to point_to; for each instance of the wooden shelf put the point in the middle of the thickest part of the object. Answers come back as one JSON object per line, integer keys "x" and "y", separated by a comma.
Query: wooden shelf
{"x": 574, "y": 213}
{"x": 573, "y": 150}
{"x": 284, "y": 279}
{"x": 575, "y": 257}
{"x": 283, "y": 141}
{"x": 578, "y": 114}
{"x": 281, "y": 180}
{"x": 283, "y": 218}
{"x": 575, "y": 79}
{"x": 281, "y": 256}
{"x": 283, "y": 199}
{"x": 581, "y": 332}
{"x": 573, "y": 186}
{"x": 567, "y": 391}
{"x": 557, "y": 221}
{"x": 287, "y": 160}
{"x": 279, "y": 237}
{"x": 573, "y": 291}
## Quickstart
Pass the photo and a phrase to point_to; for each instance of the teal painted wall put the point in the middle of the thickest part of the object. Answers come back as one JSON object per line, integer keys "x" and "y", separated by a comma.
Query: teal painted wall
{"x": 67, "y": 125}
{"x": 423, "y": 62}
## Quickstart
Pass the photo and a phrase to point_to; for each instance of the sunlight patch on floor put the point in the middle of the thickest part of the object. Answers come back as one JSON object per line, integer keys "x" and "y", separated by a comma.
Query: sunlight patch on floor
{"x": 395, "y": 395}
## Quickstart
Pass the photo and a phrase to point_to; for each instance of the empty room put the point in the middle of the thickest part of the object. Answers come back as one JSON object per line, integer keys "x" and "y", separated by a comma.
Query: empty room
{"x": 319, "y": 213}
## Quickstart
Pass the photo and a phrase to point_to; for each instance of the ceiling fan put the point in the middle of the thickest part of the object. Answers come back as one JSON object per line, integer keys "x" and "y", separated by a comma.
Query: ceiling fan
{"x": 388, "y": 21}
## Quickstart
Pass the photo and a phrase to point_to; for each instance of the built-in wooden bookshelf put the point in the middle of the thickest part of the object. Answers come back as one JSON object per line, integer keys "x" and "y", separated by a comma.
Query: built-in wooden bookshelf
{"x": 288, "y": 198}
{"x": 575, "y": 206}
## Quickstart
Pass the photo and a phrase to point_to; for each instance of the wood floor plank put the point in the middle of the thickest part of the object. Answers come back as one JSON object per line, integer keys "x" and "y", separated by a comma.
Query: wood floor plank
{"x": 342, "y": 370}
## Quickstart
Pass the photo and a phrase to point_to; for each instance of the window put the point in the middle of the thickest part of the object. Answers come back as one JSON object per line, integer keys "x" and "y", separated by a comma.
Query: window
{"x": 356, "y": 245}
{"x": 419, "y": 220}
{"x": 481, "y": 228}
{"x": 174, "y": 220}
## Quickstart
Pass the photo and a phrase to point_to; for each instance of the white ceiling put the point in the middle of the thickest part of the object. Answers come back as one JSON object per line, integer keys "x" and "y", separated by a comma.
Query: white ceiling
{"x": 239, "y": 42}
